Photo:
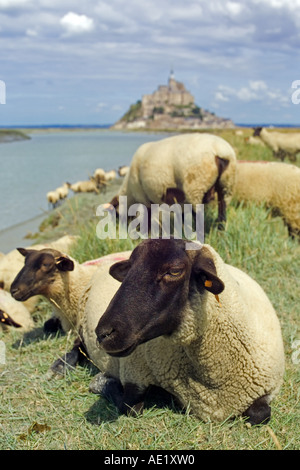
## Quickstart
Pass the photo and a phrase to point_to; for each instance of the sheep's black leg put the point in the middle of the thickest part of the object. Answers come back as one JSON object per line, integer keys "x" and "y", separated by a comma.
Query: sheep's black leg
{"x": 259, "y": 412}
{"x": 70, "y": 359}
{"x": 52, "y": 325}
{"x": 108, "y": 387}
{"x": 132, "y": 403}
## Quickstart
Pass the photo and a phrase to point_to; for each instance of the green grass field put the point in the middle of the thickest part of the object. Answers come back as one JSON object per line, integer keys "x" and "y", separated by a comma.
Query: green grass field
{"x": 38, "y": 411}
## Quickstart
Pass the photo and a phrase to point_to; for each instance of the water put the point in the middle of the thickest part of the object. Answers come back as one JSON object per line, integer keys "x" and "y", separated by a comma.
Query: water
{"x": 31, "y": 168}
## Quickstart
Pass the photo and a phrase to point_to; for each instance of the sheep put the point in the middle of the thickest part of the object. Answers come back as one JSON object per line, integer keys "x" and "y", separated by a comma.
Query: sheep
{"x": 66, "y": 284}
{"x": 277, "y": 184}
{"x": 63, "y": 191}
{"x": 53, "y": 198}
{"x": 99, "y": 177}
{"x": 88, "y": 186}
{"x": 110, "y": 175}
{"x": 123, "y": 170}
{"x": 282, "y": 144}
{"x": 202, "y": 330}
{"x": 183, "y": 168}
{"x": 254, "y": 141}
{"x": 12, "y": 262}
{"x": 13, "y": 313}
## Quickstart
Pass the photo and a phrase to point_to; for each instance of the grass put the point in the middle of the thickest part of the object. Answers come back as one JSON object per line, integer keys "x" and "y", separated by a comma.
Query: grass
{"x": 38, "y": 411}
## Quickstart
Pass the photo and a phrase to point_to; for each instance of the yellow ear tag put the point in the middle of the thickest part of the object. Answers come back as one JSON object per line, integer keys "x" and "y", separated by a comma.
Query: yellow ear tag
{"x": 208, "y": 284}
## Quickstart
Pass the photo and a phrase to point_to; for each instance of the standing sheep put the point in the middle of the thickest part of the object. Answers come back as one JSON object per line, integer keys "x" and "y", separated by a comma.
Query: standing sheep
{"x": 88, "y": 186}
{"x": 184, "y": 168}
{"x": 204, "y": 331}
{"x": 53, "y": 198}
{"x": 276, "y": 184}
{"x": 282, "y": 144}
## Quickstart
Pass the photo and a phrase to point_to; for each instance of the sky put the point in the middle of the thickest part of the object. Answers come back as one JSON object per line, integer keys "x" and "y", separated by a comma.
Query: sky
{"x": 85, "y": 62}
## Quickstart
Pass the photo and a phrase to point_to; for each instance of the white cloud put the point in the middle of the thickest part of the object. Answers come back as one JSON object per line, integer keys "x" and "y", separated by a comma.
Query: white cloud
{"x": 256, "y": 90}
{"x": 6, "y": 4}
{"x": 77, "y": 24}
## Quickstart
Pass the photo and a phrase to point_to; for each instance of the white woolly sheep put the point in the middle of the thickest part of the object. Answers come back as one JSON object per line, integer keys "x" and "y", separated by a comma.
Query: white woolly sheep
{"x": 202, "y": 330}
{"x": 12, "y": 263}
{"x": 184, "y": 168}
{"x": 277, "y": 184}
{"x": 63, "y": 191}
{"x": 110, "y": 175}
{"x": 88, "y": 186}
{"x": 282, "y": 144}
{"x": 254, "y": 141}
{"x": 53, "y": 198}
{"x": 66, "y": 284}
{"x": 123, "y": 170}
{"x": 14, "y": 313}
{"x": 99, "y": 177}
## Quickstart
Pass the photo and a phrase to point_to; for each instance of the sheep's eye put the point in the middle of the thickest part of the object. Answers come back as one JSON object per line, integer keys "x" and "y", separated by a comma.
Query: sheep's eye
{"x": 173, "y": 273}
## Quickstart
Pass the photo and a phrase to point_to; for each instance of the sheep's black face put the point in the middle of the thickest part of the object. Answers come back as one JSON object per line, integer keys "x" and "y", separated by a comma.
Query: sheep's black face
{"x": 38, "y": 272}
{"x": 155, "y": 287}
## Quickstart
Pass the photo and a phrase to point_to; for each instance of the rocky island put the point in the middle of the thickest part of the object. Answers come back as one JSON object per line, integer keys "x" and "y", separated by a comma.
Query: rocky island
{"x": 170, "y": 107}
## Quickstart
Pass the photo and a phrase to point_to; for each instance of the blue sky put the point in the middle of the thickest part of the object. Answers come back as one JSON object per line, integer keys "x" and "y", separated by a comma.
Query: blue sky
{"x": 75, "y": 62}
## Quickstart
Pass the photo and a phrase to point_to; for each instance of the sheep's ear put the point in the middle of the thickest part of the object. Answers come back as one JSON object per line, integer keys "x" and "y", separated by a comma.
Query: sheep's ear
{"x": 23, "y": 251}
{"x": 119, "y": 270}
{"x": 205, "y": 268}
{"x": 63, "y": 263}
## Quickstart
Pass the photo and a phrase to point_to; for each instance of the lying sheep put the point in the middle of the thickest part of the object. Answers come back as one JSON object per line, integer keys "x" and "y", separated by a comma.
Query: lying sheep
{"x": 66, "y": 284}
{"x": 204, "y": 331}
{"x": 276, "y": 184}
{"x": 12, "y": 263}
{"x": 184, "y": 168}
{"x": 13, "y": 313}
{"x": 282, "y": 144}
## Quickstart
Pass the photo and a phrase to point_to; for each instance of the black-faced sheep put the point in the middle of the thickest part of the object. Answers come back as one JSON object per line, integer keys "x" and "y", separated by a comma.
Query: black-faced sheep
{"x": 276, "y": 184}
{"x": 204, "y": 331}
{"x": 186, "y": 168}
{"x": 282, "y": 144}
{"x": 66, "y": 284}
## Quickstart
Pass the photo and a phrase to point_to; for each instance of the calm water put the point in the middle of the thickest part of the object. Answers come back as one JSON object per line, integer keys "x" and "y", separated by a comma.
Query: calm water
{"x": 31, "y": 168}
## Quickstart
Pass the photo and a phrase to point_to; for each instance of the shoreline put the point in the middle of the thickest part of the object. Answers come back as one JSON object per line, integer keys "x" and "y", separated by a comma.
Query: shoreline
{"x": 15, "y": 236}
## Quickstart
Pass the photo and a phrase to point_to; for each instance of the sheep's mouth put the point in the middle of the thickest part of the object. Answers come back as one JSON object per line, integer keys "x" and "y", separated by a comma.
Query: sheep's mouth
{"x": 19, "y": 295}
{"x": 114, "y": 352}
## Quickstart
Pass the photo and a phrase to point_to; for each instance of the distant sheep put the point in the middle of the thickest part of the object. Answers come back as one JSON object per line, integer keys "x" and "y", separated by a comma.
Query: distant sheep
{"x": 88, "y": 186}
{"x": 276, "y": 184}
{"x": 185, "y": 168}
{"x": 53, "y": 198}
{"x": 282, "y": 144}
{"x": 123, "y": 170}
{"x": 202, "y": 330}
{"x": 63, "y": 191}
{"x": 110, "y": 175}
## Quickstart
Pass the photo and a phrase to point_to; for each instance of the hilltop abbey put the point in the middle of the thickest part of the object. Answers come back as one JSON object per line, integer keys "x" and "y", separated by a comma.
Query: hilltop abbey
{"x": 171, "y": 106}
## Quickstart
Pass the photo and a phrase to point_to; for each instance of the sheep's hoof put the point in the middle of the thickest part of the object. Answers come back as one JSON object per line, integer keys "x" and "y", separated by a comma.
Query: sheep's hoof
{"x": 259, "y": 412}
{"x": 107, "y": 387}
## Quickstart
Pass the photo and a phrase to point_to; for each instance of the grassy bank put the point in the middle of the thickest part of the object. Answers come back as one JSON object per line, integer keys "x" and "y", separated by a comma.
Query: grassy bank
{"x": 38, "y": 411}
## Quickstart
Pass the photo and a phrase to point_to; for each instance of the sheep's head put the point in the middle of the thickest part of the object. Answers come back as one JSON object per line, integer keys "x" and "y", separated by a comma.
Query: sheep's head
{"x": 157, "y": 281}
{"x": 39, "y": 272}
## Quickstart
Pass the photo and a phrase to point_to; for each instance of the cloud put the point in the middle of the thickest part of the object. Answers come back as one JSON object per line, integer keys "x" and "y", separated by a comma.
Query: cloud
{"x": 255, "y": 90}
{"x": 76, "y": 24}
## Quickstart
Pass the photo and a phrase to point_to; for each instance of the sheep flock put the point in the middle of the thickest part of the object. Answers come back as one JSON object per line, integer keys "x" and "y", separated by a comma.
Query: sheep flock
{"x": 160, "y": 314}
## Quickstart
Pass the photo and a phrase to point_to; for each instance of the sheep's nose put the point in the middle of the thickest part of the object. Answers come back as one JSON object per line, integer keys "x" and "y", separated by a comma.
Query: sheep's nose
{"x": 102, "y": 335}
